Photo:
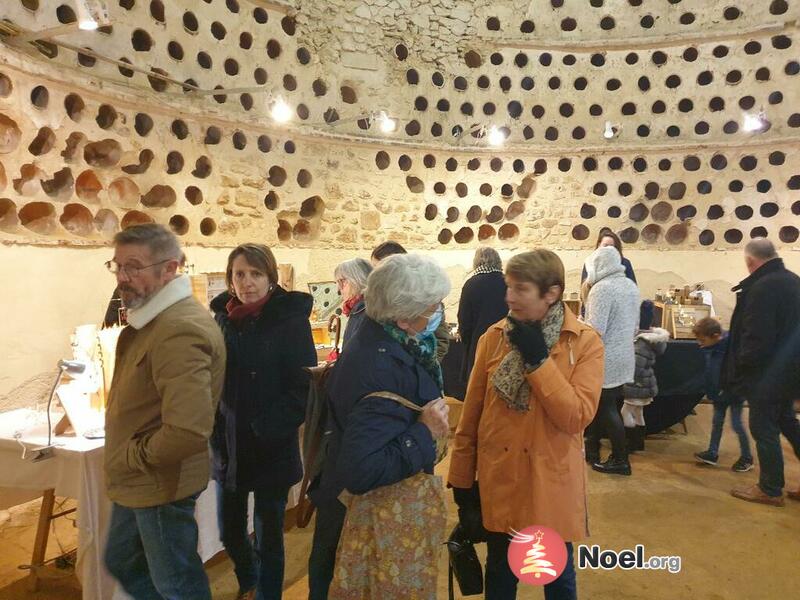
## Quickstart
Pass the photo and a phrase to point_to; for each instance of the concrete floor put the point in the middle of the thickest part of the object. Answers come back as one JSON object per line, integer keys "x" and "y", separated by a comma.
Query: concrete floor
{"x": 728, "y": 548}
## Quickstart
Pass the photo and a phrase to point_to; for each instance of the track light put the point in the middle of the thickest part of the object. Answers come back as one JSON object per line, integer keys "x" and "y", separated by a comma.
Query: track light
{"x": 496, "y": 136}
{"x": 754, "y": 123}
{"x": 280, "y": 111}
{"x": 91, "y": 14}
{"x": 610, "y": 131}
{"x": 387, "y": 124}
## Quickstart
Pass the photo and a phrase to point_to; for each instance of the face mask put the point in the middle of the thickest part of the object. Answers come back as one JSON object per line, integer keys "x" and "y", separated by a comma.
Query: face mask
{"x": 433, "y": 324}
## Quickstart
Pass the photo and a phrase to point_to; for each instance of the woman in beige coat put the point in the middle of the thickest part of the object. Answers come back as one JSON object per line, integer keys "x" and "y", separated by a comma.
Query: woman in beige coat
{"x": 534, "y": 388}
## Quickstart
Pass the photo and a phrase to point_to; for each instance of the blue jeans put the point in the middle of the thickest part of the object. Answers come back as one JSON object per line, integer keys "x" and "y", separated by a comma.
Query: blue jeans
{"x": 501, "y": 583}
{"x": 258, "y": 565}
{"x": 152, "y": 552}
{"x": 736, "y": 422}
{"x": 321, "y": 562}
{"x": 770, "y": 417}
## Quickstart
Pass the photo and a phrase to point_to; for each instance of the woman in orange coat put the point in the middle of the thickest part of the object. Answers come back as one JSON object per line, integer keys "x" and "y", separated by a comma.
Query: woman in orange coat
{"x": 534, "y": 388}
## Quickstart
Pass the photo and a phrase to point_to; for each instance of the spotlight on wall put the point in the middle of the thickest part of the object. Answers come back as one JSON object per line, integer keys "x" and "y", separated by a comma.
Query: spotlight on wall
{"x": 387, "y": 124}
{"x": 91, "y": 14}
{"x": 280, "y": 111}
{"x": 755, "y": 123}
{"x": 611, "y": 130}
{"x": 496, "y": 136}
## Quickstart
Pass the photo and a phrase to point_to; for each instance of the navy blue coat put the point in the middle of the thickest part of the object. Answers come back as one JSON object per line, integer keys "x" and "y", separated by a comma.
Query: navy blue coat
{"x": 354, "y": 321}
{"x": 482, "y": 304}
{"x": 255, "y": 441}
{"x": 375, "y": 441}
{"x": 713, "y": 357}
{"x": 764, "y": 349}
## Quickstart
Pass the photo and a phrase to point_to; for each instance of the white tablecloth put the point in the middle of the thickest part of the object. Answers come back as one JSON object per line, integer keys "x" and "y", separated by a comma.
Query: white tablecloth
{"x": 76, "y": 471}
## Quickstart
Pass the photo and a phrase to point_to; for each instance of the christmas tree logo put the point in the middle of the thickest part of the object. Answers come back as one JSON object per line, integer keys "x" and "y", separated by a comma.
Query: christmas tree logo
{"x": 537, "y": 555}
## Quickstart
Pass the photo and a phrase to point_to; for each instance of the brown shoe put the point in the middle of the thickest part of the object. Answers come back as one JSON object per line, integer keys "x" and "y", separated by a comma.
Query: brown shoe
{"x": 794, "y": 495}
{"x": 753, "y": 493}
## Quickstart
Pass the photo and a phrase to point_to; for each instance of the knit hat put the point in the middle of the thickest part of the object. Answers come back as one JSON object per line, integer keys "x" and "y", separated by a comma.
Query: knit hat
{"x": 646, "y": 314}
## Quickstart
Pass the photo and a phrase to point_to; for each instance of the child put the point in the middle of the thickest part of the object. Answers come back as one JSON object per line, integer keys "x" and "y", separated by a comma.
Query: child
{"x": 714, "y": 342}
{"x": 649, "y": 343}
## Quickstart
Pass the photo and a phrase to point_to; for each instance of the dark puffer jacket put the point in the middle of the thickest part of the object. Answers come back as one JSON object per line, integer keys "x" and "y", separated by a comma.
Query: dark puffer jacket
{"x": 255, "y": 441}
{"x": 648, "y": 346}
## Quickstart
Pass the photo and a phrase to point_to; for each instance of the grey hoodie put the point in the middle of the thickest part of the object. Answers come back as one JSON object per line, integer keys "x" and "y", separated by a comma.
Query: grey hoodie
{"x": 612, "y": 308}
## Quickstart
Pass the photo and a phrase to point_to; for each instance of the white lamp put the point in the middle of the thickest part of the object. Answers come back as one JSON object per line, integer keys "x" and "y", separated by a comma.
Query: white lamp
{"x": 387, "y": 124}
{"x": 496, "y": 136}
{"x": 73, "y": 367}
{"x": 91, "y": 14}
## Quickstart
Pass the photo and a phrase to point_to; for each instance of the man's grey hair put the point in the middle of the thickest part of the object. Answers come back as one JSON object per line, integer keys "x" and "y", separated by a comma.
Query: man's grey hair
{"x": 403, "y": 287}
{"x": 356, "y": 271}
{"x": 487, "y": 257}
{"x": 161, "y": 242}
{"x": 761, "y": 249}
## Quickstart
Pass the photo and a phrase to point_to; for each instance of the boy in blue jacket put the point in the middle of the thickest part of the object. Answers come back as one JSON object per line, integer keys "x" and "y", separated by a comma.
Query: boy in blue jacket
{"x": 714, "y": 342}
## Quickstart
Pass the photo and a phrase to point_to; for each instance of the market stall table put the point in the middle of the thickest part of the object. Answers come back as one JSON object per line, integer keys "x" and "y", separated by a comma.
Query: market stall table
{"x": 76, "y": 471}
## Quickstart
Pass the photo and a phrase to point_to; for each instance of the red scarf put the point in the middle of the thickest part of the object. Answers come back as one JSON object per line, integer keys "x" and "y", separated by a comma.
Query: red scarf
{"x": 237, "y": 311}
{"x": 349, "y": 305}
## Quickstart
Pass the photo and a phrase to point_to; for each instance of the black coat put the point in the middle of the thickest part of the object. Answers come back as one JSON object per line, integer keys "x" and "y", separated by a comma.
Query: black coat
{"x": 255, "y": 441}
{"x": 482, "y": 304}
{"x": 763, "y": 351}
{"x": 374, "y": 441}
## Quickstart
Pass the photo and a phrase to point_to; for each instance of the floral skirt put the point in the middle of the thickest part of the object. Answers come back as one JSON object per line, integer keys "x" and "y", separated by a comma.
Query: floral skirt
{"x": 391, "y": 541}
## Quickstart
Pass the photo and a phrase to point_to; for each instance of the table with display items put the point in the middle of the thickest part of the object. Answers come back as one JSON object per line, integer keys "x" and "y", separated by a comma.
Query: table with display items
{"x": 75, "y": 470}
{"x": 679, "y": 372}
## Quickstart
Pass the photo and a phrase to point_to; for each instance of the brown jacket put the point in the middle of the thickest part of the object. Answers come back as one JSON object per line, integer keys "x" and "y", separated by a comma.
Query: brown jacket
{"x": 531, "y": 465}
{"x": 167, "y": 381}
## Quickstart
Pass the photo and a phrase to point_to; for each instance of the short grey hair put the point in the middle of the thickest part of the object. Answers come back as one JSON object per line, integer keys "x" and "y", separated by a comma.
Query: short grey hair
{"x": 404, "y": 286}
{"x": 356, "y": 271}
{"x": 761, "y": 249}
{"x": 161, "y": 242}
{"x": 487, "y": 257}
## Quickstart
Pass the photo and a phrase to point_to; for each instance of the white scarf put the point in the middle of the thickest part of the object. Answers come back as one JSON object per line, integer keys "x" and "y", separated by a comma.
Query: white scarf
{"x": 176, "y": 290}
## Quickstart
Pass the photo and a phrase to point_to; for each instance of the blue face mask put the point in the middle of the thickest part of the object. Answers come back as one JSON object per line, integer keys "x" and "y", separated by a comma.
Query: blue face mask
{"x": 433, "y": 324}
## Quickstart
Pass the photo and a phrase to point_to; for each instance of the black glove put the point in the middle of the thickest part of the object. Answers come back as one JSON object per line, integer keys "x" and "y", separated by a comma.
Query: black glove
{"x": 529, "y": 340}
{"x": 469, "y": 512}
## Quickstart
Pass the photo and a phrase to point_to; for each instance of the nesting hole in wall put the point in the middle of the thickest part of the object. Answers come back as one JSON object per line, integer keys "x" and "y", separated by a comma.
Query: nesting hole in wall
{"x": 43, "y": 142}
{"x": 276, "y": 176}
{"x": 8, "y": 215}
{"x": 39, "y": 217}
{"x": 661, "y": 211}
{"x": 74, "y": 106}
{"x": 60, "y": 185}
{"x": 146, "y": 157}
{"x": 638, "y": 212}
{"x": 40, "y": 97}
{"x": 159, "y": 196}
{"x": 179, "y": 224}
{"x": 464, "y": 235}
{"x": 284, "y": 230}
{"x": 73, "y": 145}
{"x": 6, "y": 87}
{"x": 135, "y": 217}
{"x": 686, "y": 212}
{"x": 733, "y": 236}
{"x": 174, "y": 162}
{"x": 106, "y": 222}
{"x": 304, "y": 178}
{"x": 474, "y": 214}
{"x": 431, "y": 212}
{"x": 485, "y": 232}
{"x": 508, "y": 232}
{"x": 302, "y": 230}
{"x": 103, "y": 154}
{"x": 415, "y": 184}
{"x": 445, "y": 236}
{"x": 239, "y": 140}
{"x": 208, "y": 226}
{"x": 88, "y": 186}
{"x": 78, "y": 220}
{"x": 141, "y": 40}
{"x": 452, "y": 214}
{"x": 677, "y": 234}
{"x": 202, "y": 167}
{"x": 651, "y": 233}
{"x": 788, "y": 234}
{"x": 629, "y": 235}
{"x": 312, "y": 207}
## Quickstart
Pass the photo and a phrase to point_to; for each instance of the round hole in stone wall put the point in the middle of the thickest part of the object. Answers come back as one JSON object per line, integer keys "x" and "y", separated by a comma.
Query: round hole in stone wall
{"x": 190, "y": 22}
{"x": 106, "y": 222}
{"x": 88, "y": 186}
{"x": 202, "y": 168}
{"x": 472, "y": 59}
{"x": 208, "y": 226}
{"x": 179, "y": 224}
{"x": 312, "y": 207}
{"x": 464, "y": 235}
{"x": 638, "y": 212}
{"x": 284, "y": 230}
{"x": 159, "y": 196}
{"x": 58, "y": 187}
{"x": 474, "y": 214}
{"x": 580, "y": 232}
{"x": 743, "y": 213}
{"x": 43, "y": 142}
{"x": 588, "y": 211}
{"x": 431, "y": 211}
{"x": 439, "y": 187}
{"x": 276, "y": 176}
{"x": 661, "y": 212}
{"x": 452, "y": 214}
{"x": 515, "y": 209}
{"x": 788, "y": 234}
{"x": 239, "y": 140}
{"x": 461, "y": 189}
{"x": 733, "y": 236}
{"x": 485, "y": 232}
{"x": 78, "y": 220}
{"x": 508, "y": 231}
{"x": 179, "y": 129}
{"x": 40, "y": 96}
{"x": 651, "y": 190}
{"x": 614, "y": 212}
{"x": 677, "y": 234}
{"x": 174, "y": 162}
{"x": 715, "y": 211}
{"x": 39, "y": 217}
{"x": 706, "y": 237}
{"x": 485, "y": 189}
{"x": 629, "y": 235}
{"x": 495, "y": 214}
{"x": 404, "y": 162}
{"x": 194, "y": 195}
{"x": 412, "y": 77}
{"x": 382, "y": 160}
{"x": 429, "y": 160}
{"x": 415, "y": 185}
{"x": 304, "y": 178}
{"x": 141, "y": 40}
{"x": 686, "y": 212}
{"x": 123, "y": 192}
{"x": 651, "y": 233}
{"x": 271, "y": 200}
{"x": 445, "y": 236}
{"x": 105, "y": 153}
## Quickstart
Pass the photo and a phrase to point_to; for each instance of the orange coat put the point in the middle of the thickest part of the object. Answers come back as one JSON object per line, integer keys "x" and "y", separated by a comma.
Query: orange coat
{"x": 531, "y": 465}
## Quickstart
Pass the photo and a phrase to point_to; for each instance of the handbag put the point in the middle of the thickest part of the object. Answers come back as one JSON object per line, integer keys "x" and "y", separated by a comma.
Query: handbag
{"x": 464, "y": 564}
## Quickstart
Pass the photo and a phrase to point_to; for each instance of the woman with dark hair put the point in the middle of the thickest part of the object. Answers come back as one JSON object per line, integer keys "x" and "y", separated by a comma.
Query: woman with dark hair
{"x": 255, "y": 446}
{"x": 609, "y": 238}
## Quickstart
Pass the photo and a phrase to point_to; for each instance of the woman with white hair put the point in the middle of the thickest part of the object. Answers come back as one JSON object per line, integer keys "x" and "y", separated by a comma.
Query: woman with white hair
{"x": 351, "y": 279}
{"x": 386, "y": 411}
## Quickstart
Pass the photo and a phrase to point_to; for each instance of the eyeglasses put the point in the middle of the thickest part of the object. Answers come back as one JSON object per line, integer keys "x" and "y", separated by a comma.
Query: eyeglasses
{"x": 130, "y": 271}
{"x": 341, "y": 282}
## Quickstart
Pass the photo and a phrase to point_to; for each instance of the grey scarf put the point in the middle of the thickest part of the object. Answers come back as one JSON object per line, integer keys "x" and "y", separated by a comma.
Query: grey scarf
{"x": 509, "y": 378}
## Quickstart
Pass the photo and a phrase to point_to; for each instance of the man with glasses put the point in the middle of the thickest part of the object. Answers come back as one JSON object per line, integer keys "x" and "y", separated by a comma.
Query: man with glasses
{"x": 168, "y": 378}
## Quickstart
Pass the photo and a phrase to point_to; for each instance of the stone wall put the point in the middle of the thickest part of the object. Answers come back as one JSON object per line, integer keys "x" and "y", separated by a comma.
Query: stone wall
{"x": 164, "y": 116}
